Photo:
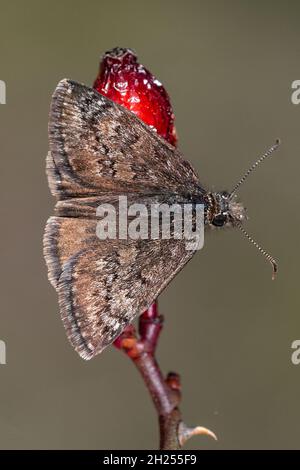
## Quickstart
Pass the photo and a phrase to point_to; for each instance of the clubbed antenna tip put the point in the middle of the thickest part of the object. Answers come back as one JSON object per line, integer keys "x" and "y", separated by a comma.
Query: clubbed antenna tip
{"x": 260, "y": 249}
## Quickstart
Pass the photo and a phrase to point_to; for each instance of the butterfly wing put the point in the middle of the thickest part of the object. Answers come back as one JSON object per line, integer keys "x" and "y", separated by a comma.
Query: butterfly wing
{"x": 97, "y": 145}
{"x": 98, "y": 151}
{"x": 103, "y": 285}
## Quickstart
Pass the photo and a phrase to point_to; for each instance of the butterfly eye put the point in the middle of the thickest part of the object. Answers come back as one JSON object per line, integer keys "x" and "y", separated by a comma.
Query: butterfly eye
{"x": 219, "y": 220}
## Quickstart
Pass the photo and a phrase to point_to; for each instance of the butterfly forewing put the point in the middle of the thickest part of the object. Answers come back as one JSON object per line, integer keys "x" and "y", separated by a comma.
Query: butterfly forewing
{"x": 97, "y": 145}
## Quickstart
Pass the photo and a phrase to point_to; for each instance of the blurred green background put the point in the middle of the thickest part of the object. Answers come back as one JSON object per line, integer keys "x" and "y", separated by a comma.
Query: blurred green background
{"x": 228, "y": 67}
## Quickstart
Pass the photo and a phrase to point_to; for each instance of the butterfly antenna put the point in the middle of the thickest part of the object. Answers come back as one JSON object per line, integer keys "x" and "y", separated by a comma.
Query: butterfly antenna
{"x": 266, "y": 255}
{"x": 255, "y": 164}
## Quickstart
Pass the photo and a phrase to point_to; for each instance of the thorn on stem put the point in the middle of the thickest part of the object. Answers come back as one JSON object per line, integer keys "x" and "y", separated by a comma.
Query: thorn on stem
{"x": 185, "y": 433}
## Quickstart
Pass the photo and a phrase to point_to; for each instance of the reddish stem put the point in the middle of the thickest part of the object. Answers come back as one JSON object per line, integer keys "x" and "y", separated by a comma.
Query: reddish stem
{"x": 165, "y": 393}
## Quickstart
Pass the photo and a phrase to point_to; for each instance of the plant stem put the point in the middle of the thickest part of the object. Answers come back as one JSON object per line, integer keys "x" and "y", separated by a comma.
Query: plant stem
{"x": 165, "y": 392}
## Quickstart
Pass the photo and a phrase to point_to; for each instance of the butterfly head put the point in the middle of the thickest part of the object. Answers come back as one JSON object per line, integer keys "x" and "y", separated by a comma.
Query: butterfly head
{"x": 225, "y": 210}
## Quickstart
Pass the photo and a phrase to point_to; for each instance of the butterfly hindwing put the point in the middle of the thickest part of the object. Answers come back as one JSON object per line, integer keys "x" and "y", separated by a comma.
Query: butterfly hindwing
{"x": 104, "y": 287}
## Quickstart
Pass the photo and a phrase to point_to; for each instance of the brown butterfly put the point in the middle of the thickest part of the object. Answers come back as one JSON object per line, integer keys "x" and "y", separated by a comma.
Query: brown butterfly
{"x": 99, "y": 151}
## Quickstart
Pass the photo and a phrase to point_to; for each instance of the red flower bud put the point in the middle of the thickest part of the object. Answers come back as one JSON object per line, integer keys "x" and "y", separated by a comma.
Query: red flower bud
{"x": 122, "y": 79}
